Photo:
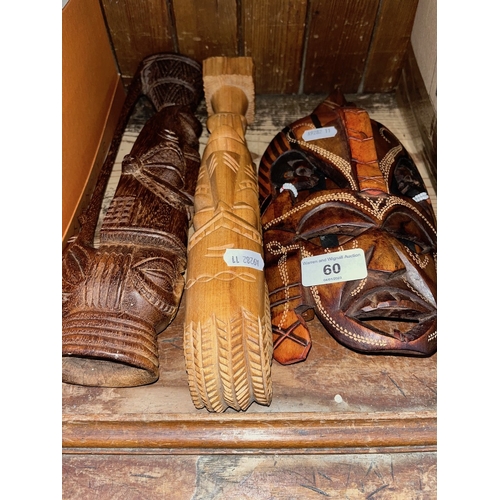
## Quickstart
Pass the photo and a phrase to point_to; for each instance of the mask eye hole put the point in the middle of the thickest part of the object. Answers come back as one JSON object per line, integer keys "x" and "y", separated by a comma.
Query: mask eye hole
{"x": 415, "y": 247}
{"x": 330, "y": 240}
{"x": 410, "y": 232}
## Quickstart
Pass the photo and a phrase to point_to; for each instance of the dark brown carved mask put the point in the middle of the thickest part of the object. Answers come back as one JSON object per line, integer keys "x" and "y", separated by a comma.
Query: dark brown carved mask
{"x": 357, "y": 189}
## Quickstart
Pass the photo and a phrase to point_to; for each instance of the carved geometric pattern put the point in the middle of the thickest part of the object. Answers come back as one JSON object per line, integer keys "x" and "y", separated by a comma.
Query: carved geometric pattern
{"x": 231, "y": 162}
{"x": 228, "y": 363}
{"x": 377, "y": 208}
{"x": 101, "y": 292}
{"x": 340, "y": 329}
{"x": 119, "y": 211}
{"x": 221, "y": 276}
{"x": 288, "y": 333}
{"x": 388, "y": 160}
{"x": 341, "y": 163}
{"x": 276, "y": 248}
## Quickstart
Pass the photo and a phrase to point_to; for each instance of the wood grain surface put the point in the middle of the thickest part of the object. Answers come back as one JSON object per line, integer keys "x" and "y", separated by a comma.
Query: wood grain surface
{"x": 273, "y": 35}
{"x": 295, "y": 477}
{"x": 389, "y": 44}
{"x": 137, "y": 29}
{"x": 206, "y": 28}
{"x": 339, "y": 39}
{"x": 298, "y": 46}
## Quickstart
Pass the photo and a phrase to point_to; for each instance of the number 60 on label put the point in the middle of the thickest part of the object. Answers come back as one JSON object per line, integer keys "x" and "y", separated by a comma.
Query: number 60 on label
{"x": 329, "y": 269}
{"x": 334, "y": 267}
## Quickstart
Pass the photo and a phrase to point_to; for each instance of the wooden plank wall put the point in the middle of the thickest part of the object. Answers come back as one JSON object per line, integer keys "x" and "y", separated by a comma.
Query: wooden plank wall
{"x": 298, "y": 46}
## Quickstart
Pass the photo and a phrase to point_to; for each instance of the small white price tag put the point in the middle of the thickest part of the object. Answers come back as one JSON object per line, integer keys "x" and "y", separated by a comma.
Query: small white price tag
{"x": 334, "y": 267}
{"x": 319, "y": 133}
{"x": 238, "y": 257}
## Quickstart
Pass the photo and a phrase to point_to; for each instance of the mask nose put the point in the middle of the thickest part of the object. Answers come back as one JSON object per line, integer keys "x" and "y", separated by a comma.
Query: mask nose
{"x": 382, "y": 257}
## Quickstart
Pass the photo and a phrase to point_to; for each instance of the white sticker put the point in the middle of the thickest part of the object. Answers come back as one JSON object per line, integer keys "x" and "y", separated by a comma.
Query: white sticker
{"x": 319, "y": 133}
{"x": 334, "y": 267}
{"x": 238, "y": 257}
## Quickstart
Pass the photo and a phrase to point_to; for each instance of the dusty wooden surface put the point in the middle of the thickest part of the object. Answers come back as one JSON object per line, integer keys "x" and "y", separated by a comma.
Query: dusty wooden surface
{"x": 403, "y": 476}
{"x": 336, "y": 403}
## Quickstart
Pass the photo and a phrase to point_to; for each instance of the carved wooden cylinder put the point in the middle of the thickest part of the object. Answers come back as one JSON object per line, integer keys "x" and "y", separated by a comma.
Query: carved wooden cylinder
{"x": 227, "y": 340}
{"x": 119, "y": 296}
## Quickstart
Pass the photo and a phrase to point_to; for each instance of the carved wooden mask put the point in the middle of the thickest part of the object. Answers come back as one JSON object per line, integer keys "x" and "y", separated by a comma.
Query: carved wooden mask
{"x": 336, "y": 181}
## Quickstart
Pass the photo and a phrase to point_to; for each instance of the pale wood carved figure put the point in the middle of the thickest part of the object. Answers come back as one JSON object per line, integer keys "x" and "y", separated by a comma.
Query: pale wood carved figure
{"x": 119, "y": 296}
{"x": 336, "y": 185}
{"x": 227, "y": 337}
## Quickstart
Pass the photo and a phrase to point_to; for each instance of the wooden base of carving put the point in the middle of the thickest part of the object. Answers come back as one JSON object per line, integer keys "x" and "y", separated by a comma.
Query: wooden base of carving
{"x": 227, "y": 337}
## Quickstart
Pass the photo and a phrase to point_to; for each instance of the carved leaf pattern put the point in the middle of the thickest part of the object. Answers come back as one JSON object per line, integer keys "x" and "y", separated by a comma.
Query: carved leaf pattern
{"x": 228, "y": 362}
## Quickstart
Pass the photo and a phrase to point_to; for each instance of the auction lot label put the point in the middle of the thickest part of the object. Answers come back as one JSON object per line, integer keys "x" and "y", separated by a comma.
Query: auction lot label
{"x": 334, "y": 267}
{"x": 319, "y": 133}
{"x": 239, "y": 257}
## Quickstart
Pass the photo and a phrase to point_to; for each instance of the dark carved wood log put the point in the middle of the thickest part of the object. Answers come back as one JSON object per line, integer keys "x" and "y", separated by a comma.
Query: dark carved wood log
{"x": 119, "y": 296}
{"x": 335, "y": 186}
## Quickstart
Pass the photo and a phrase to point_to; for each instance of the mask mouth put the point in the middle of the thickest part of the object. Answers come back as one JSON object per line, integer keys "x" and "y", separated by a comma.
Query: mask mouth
{"x": 392, "y": 312}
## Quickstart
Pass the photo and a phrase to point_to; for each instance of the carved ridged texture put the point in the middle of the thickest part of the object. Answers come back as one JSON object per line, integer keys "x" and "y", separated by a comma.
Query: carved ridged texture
{"x": 113, "y": 338}
{"x": 229, "y": 362}
{"x": 172, "y": 79}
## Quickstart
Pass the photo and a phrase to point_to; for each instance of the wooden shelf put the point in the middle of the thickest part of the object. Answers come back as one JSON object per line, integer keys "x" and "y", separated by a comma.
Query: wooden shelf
{"x": 387, "y": 403}
{"x": 336, "y": 403}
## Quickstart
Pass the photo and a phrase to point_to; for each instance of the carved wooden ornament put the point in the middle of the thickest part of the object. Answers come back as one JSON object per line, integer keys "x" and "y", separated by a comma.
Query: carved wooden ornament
{"x": 119, "y": 296}
{"x": 227, "y": 336}
{"x": 338, "y": 188}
